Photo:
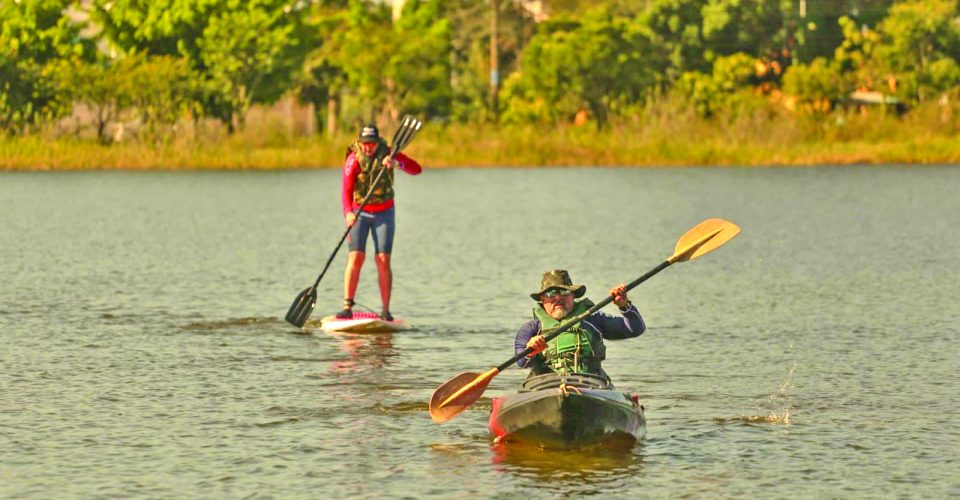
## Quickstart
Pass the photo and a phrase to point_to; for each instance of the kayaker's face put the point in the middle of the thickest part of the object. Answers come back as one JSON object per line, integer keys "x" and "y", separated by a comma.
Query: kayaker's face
{"x": 557, "y": 302}
{"x": 368, "y": 148}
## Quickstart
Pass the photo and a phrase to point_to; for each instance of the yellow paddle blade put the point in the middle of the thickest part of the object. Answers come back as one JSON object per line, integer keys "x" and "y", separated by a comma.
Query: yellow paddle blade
{"x": 703, "y": 238}
{"x": 458, "y": 393}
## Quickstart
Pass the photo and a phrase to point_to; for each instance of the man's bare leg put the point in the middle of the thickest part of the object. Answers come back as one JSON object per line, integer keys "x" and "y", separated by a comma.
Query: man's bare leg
{"x": 385, "y": 279}
{"x": 351, "y": 276}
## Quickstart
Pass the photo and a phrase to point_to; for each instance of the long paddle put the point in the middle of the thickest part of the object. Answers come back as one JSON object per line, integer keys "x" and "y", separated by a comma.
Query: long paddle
{"x": 458, "y": 393}
{"x": 304, "y": 303}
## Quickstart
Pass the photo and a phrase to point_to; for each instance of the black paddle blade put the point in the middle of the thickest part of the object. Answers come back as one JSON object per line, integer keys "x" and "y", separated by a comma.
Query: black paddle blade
{"x": 411, "y": 130}
{"x": 302, "y": 307}
{"x": 404, "y": 134}
{"x": 404, "y": 123}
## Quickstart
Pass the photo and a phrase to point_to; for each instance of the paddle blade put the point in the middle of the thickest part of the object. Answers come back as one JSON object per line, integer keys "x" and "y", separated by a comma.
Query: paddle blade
{"x": 404, "y": 123}
{"x": 458, "y": 393}
{"x": 703, "y": 238}
{"x": 302, "y": 307}
{"x": 404, "y": 134}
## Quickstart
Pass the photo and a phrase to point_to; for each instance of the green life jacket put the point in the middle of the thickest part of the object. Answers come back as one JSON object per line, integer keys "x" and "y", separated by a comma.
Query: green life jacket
{"x": 577, "y": 350}
{"x": 369, "y": 168}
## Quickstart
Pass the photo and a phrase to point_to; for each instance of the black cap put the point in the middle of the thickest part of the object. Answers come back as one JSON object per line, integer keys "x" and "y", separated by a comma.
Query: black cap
{"x": 369, "y": 133}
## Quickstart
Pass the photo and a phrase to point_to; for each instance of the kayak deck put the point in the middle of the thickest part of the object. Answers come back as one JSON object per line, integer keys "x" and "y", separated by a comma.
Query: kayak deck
{"x": 363, "y": 322}
{"x": 568, "y": 411}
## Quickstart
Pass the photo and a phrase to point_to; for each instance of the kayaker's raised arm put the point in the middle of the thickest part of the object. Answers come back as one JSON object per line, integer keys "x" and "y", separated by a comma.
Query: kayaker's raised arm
{"x": 628, "y": 325}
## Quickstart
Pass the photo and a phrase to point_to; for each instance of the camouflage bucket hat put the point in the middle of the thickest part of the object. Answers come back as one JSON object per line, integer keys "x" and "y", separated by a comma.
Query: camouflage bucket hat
{"x": 558, "y": 278}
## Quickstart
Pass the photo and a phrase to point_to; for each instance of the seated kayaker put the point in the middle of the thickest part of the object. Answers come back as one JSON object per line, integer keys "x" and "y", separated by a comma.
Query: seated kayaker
{"x": 579, "y": 349}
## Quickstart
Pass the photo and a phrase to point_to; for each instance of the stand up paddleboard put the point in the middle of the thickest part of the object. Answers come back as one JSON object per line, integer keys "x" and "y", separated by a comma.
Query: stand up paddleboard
{"x": 363, "y": 322}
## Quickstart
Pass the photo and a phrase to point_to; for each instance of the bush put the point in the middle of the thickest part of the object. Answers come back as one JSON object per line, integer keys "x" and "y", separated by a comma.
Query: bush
{"x": 816, "y": 85}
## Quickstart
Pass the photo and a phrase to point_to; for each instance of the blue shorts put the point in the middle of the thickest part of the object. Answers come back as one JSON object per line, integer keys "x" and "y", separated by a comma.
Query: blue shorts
{"x": 380, "y": 224}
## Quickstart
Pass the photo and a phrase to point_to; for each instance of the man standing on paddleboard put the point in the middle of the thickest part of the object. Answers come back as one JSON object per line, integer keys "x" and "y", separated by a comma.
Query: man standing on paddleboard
{"x": 580, "y": 349}
{"x": 364, "y": 159}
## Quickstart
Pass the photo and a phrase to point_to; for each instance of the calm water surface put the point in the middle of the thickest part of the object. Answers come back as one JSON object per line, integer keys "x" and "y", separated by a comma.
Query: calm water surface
{"x": 144, "y": 353}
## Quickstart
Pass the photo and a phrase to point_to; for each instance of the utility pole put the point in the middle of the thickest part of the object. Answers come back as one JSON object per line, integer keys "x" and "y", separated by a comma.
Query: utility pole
{"x": 494, "y": 58}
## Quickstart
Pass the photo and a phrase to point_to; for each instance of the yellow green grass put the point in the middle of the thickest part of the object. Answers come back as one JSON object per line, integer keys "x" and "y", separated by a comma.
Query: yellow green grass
{"x": 924, "y": 137}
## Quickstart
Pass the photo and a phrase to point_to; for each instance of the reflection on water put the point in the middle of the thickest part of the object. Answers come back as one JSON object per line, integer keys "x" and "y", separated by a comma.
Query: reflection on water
{"x": 592, "y": 470}
{"x": 368, "y": 351}
{"x": 211, "y": 326}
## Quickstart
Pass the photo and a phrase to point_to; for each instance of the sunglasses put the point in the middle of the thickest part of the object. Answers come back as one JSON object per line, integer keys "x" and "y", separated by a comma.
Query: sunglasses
{"x": 555, "y": 292}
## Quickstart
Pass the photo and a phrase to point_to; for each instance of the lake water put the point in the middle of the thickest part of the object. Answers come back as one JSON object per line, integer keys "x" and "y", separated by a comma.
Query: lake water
{"x": 144, "y": 352}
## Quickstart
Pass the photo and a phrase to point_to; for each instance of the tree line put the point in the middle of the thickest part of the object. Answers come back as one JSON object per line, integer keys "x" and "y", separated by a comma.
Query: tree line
{"x": 164, "y": 61}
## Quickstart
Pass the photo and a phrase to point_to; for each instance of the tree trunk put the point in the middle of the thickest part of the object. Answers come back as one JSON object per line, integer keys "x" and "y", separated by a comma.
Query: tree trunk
{"x": 494, "y": 60}
{"x": 391, "y": 103}
{"x": 102, "y": 119}
{"x": 332, "y": 111}
{"x": 311, "y": 122}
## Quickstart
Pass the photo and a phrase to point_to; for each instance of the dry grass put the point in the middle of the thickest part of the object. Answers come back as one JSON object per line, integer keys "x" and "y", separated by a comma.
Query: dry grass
{"x": 655, "y": 136}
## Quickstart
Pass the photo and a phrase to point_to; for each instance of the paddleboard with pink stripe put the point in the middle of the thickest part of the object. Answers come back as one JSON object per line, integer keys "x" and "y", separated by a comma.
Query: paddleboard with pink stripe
{"x": 363, "y": 322}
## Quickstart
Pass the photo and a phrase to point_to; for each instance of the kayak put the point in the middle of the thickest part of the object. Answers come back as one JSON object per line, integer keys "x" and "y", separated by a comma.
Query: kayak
{"x": 363, "y": 322}
{"x": 568, "y": 411}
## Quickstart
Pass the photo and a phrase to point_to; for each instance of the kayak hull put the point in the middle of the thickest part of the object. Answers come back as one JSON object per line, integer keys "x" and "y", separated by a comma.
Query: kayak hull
{"x": 363, "y": 322}
{"x": 565, "y": 412}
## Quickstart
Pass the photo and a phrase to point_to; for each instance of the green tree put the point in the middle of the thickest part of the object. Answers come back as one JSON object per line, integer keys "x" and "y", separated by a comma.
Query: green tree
{"x": 161, "y": 90}
{"x": 34, "y": 36}
{"x": 361, "y": 49}
{"x": 599, "y": 64}
{"x": 250, "y": 54}
{"x": 693, "y": 33}
{"x": 387, "y": 66}
{"x": 470, "y": 51}
{"x": 419, "y": 68}
{"x": 101, "y": 86}
{"x": 816, "y": 28}
{"x": 676, "y": 25}
{"x": 853, "y": 54}
{"x": 912, "y": 53}
{"x": 719, "y": 90}
{"x": 816, "y": 85}
{"x": 242, "y": 53}
{"x": 752, "y": 27}
{"x": 322, "y": 80}
{"x": 920, "y": 46}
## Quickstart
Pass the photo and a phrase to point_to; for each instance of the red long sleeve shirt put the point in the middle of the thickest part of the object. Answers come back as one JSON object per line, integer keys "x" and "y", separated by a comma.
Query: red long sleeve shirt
{"x": 351, "y": 167}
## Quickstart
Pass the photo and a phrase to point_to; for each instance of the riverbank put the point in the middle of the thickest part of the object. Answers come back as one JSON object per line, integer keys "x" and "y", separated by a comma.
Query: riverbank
{"x": 664, "y": 141}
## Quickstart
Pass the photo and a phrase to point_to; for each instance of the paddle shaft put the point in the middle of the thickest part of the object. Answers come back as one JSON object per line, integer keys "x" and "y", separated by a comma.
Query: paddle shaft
{"x": 596, "y": 307}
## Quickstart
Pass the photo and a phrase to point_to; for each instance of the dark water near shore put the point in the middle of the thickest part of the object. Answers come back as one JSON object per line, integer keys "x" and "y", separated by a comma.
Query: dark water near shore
{"x": 144, "y": 353}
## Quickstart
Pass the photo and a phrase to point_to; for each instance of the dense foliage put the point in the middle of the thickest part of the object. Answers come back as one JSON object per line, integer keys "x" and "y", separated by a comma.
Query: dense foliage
{"x": 158, "y": 62}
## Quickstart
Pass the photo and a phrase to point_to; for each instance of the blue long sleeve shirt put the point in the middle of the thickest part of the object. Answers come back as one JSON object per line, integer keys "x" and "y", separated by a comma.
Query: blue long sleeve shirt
{"x": 630, "y": 324}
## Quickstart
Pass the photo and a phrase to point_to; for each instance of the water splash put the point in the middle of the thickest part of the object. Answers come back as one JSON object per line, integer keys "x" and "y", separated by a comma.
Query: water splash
{"x": 780, "y": 400}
